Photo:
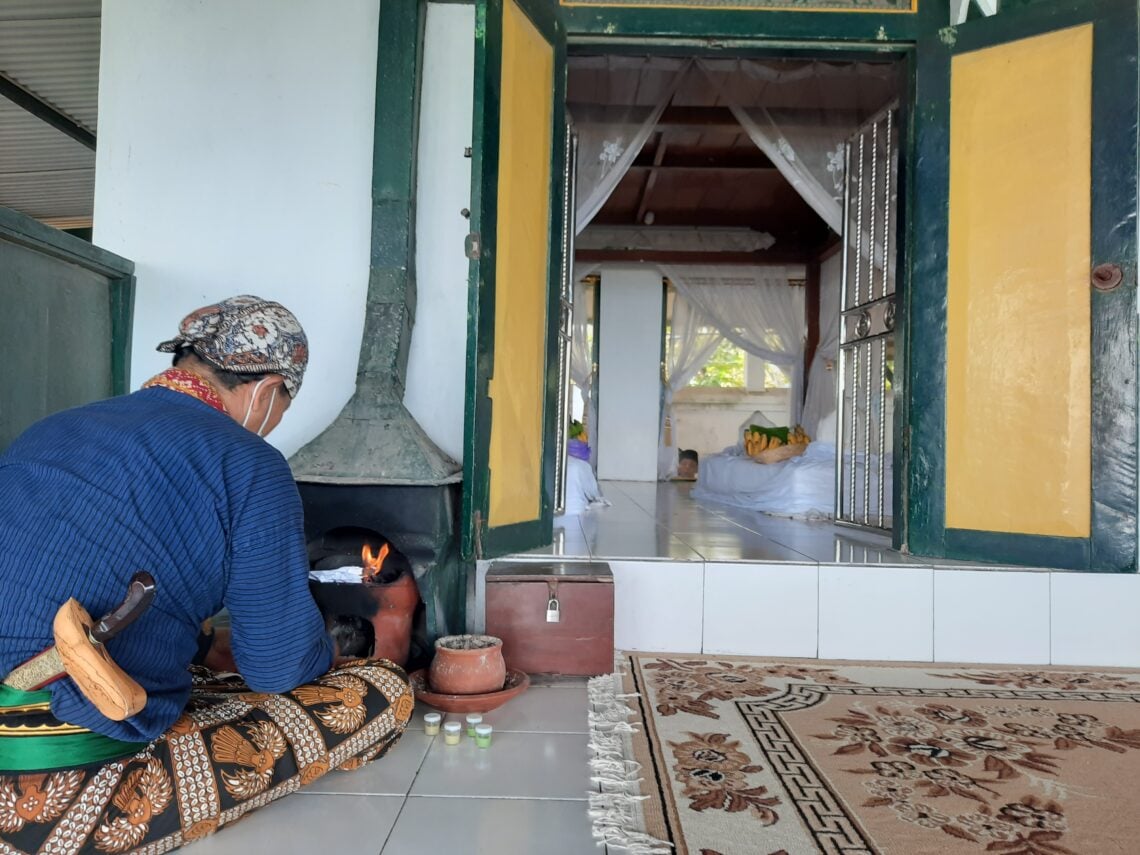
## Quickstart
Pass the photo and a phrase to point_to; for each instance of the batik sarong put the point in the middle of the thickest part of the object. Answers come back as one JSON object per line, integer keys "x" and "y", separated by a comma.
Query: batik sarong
{"x": 232, "y": 751}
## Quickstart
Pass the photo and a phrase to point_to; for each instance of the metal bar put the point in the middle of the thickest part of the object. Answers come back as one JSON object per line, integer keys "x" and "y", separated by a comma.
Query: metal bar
{"x": 886, "y": 261}
{"x": 859, "y": 226}
{"x": 871, "y": 227}
{"x": 44, "y": 111}
{"x": 841, "y": 385}
{"x": 882, "y": 424}
{"x": 566, "y": 328}
{"x": 854, "y": 426}
{"x": 867, "y": 438}
{"x": 887, "y": 281}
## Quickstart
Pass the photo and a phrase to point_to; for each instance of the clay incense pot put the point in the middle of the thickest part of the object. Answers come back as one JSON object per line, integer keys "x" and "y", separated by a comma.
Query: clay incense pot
{"x": 467, "y": 665}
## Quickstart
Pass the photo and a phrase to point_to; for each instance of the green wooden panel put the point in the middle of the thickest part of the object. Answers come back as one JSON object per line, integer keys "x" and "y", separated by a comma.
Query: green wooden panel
{"x": 65, "y": 324}
{"x": 1113, "y": 543}
{"x": 728, "y": 25}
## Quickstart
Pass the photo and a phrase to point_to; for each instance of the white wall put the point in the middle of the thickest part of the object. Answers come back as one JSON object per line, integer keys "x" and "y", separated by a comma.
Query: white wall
{"x": 437, "y": 362}
{"x": 709, "y": 420}
{"x": 629, "y": 374}
{"x": 235, "y": 156}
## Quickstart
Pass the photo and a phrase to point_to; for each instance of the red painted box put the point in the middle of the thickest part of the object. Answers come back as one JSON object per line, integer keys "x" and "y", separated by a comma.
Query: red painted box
{"x": 581, "y": 642}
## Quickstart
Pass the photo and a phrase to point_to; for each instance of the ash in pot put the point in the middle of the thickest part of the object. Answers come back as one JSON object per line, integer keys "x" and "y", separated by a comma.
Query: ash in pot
{"x": 468, "y": 642}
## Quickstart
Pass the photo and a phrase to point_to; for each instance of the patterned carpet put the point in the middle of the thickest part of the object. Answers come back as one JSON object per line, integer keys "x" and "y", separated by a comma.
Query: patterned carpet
{"x": 743, "y": 756}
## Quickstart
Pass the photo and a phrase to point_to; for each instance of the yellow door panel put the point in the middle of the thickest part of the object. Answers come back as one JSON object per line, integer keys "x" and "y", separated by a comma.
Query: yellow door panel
{"x": 517, "y": 388}
{"x": 1018, "y": 351}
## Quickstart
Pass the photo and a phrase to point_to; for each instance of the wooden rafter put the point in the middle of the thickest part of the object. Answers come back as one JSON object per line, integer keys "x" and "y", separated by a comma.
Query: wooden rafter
{"x": 650, "y": 180}
{"x": 656, "y": 256}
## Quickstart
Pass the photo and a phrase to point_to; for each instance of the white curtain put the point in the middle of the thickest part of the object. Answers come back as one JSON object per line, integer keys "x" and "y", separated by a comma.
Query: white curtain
{"x": 690, "y": 344}
{"x": 629, "y": 94}
{"x": 821, "y": 384}
{"x": 755, "y": 309}
{"x": 806, "y": 145}
{"x": 581, "y": 353}
{"x": 581, "y": 357}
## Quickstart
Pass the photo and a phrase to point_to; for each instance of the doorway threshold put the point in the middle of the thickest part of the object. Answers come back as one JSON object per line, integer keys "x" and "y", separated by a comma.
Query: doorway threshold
{"x": 660, "y": 521}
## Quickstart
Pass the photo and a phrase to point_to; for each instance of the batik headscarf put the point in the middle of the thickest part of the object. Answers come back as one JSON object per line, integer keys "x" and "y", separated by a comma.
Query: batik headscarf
{"x": 246, "y": 335}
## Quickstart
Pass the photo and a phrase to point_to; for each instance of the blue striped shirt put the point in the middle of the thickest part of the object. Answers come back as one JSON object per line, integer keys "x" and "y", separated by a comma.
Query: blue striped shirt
{"x": 156, "y": 481}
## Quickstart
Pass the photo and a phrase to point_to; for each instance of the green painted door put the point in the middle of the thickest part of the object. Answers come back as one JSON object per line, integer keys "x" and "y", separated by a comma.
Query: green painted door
{"x": 1020, "y": 444}
{"x": 515, "y": 250}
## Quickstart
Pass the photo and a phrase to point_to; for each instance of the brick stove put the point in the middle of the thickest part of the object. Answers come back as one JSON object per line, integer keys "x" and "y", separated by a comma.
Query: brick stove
{"x": 374, "y": 470}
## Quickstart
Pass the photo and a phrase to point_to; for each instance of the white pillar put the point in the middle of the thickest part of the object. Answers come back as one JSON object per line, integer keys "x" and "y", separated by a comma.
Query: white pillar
{"x": 629, "y": 374}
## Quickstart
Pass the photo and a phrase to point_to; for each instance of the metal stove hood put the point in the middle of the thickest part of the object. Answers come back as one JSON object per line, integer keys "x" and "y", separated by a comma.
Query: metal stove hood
{"x": 375, "y": 440}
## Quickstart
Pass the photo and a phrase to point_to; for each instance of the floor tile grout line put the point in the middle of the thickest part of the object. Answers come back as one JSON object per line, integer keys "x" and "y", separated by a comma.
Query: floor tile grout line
{"x": 933, "y": 615}
{"x": 501, "y": 797}
{"x": 1049, "y": 654}
{"x": 818, "y": 607}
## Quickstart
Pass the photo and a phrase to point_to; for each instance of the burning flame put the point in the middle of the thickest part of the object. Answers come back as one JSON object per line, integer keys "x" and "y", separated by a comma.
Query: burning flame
{"x": 373, "y": 562}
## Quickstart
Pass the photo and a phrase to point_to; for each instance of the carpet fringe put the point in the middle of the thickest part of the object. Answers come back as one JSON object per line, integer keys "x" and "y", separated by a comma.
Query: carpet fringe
{"x": 615, "y": 809}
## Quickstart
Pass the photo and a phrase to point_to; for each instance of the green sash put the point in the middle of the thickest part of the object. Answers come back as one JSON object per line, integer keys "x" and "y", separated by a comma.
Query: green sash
{"x": 32, "y": 739}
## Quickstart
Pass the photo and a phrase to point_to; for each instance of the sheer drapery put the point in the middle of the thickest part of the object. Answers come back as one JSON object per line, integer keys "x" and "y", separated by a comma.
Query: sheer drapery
{"x": 581, "y": 352}
{"x": 755, "y": 309}
{"x": 689, "y": 343}
{"x": 821, "y": 391}
{"x": 806, "y": 145}
{"x": 630, "y": 94}
{"x": 581, "y": 359}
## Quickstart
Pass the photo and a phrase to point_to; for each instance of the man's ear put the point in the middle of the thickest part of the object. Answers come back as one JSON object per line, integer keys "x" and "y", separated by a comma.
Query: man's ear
{"x": 276, "y": 381}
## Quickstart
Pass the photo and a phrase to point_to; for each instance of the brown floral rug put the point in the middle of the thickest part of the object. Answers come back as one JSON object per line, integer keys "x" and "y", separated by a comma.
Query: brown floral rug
{"x": 735, "y": 756}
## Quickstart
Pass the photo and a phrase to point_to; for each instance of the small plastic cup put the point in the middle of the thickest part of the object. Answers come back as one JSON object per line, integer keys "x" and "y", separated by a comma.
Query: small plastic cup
{"x": 473, "y": 720}
{"x": 431, "y": 723}
{"x": 452, "y": 732}
{"x": 483, "y": 735}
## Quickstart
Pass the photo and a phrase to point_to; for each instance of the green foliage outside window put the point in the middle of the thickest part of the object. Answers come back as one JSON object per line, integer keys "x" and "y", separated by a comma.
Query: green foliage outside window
{"x": 725, "y": 370}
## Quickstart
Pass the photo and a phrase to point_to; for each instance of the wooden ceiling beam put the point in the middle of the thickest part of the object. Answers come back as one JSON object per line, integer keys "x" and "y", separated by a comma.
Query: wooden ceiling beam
{"x": 652, "y": 256}
{"x": 651, "y": 180}
{"x": 698, "y": 167}
{"x": 779, "y": 222}
{"x": 698, "y": 118}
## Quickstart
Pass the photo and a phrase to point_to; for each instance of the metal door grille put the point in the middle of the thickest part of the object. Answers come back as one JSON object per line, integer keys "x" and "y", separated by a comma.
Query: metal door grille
{"x": 867, "y": 322}
{"x": 565, "y": 317}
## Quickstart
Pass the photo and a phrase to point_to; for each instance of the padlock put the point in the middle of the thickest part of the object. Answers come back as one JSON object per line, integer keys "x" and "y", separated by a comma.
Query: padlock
{"x": 553, "y": 610}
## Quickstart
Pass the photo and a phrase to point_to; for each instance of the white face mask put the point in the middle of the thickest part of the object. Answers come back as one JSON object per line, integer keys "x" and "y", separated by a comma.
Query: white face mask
{"x": 268, "y": 412}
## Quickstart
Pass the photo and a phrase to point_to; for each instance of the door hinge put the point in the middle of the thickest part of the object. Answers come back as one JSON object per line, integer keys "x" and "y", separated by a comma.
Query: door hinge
{"x": 472, "y": 246}
{"x": 477, "y": 525}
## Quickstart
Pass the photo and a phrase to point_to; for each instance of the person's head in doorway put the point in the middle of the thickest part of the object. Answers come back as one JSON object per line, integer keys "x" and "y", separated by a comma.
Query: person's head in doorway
{"x": 687, "y": 463}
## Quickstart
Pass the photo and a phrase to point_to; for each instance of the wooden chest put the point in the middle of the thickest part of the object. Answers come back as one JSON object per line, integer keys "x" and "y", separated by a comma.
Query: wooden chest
{"x": 580, "y": 642}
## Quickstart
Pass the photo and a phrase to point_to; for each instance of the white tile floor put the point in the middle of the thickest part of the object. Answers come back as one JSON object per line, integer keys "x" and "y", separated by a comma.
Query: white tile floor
{"x": 525, "y": 794}
{"x": 649, "y": 521}
{"x": 688, "y": 579}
